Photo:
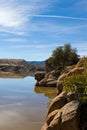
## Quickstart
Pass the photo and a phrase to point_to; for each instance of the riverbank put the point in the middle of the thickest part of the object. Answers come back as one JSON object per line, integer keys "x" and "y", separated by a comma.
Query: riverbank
{"x": 67, "y": 107}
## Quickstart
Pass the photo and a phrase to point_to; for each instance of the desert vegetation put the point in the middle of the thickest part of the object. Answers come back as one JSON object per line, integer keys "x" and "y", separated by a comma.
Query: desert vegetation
{"x": 78, "y": 83}
{"x": 61, "y": 57}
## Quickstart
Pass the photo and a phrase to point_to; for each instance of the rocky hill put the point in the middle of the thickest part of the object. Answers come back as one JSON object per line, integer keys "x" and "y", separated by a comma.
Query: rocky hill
{"x": 13, "y": 62}
{"x": 14, "y": 68}
{"x": 15, "y": 65}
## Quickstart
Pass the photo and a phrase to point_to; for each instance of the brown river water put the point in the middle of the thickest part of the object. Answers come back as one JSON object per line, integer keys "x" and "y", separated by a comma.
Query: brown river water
{"x": 22, "y": 105}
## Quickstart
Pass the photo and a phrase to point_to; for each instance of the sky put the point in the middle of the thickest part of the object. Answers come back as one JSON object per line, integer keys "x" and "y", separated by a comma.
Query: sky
{"x": 32, "y": 29}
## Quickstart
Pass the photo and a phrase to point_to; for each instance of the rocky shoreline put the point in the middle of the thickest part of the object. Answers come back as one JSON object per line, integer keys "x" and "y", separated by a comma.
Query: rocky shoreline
{"x": 64, "y": 112}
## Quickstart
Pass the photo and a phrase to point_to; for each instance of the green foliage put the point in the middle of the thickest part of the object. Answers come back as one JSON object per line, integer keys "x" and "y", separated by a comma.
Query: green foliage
{"x": 78, "y": 84}
{"x": 61, "y": 57}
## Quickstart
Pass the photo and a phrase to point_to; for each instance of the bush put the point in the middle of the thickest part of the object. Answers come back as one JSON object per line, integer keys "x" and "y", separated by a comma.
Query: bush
{"x": 61, "y": 57}
{"x": 78, "y": 83}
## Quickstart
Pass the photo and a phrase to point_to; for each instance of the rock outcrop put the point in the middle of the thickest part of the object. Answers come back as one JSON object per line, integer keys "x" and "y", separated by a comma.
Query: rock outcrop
{"x": 63, "y": 114}
{"x": 78, "y": 69}
{"x": 54, "y": 79}
{"x": 39, "y": 75}
{"x": 46, "y": 79}
{"x": 58, "y": 102}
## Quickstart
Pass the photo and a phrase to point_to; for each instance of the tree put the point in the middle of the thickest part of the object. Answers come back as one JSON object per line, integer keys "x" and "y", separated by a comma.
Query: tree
{"x": 61, "y": 57}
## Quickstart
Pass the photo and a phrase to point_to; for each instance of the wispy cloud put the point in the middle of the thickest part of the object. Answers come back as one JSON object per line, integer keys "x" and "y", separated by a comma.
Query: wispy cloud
{"x": 15, "y": 14}
{"x": 58, "y": 16}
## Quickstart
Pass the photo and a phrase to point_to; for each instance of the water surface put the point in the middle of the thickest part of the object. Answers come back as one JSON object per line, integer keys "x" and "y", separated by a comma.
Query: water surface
{"x": 23, "y": 106}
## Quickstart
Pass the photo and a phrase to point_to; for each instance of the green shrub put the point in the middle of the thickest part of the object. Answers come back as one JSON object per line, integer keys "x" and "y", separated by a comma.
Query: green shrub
{"x": 61, "y": 57}
{"x": 78, "y": 84}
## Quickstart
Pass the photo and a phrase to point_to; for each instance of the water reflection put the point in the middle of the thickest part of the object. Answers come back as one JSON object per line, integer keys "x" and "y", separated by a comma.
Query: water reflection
{"x": 22, "y": 107}
{"x": 47, "y": 91}
{"x": 13, "y": 74}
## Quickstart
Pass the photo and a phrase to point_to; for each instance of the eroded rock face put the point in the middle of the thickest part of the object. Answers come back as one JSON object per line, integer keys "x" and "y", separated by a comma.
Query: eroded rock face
{"x": 61, "y": 115}
{"x": 69, "y": 117}
{"x": 46, "y": 80}
{"x": 58, "y": 102}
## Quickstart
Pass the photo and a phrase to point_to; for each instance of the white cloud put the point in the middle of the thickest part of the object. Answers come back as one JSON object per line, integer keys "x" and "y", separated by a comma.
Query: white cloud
{"x": 11, "y": 17}
{"x": 14, "y": 14}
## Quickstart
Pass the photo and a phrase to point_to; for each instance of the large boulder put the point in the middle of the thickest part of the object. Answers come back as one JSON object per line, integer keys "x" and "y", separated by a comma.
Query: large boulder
{"x": 55, "y": 124}
{"x": 51, "y": 116}
{"x": 58, "y": 102}
{"x": 39, "y": 75}
{"x": 46, "y": 80}
{"x": 44, "y": 127}
{"x": 43, "y": 82}
{"x": 65, "y": 118}
{"x": 54, "y": 73}
{"x": 70, "y": 116}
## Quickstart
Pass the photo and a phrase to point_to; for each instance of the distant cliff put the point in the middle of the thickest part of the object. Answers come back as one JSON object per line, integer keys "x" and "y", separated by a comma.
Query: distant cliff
{"x": 20, "y": 66}
{"x": 15, "y": 65}
{"x": 13, "y": 62}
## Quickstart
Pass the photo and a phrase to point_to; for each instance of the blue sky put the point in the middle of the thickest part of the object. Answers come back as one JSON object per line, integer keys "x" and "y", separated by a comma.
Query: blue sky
{"x": 32, "y": 29}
